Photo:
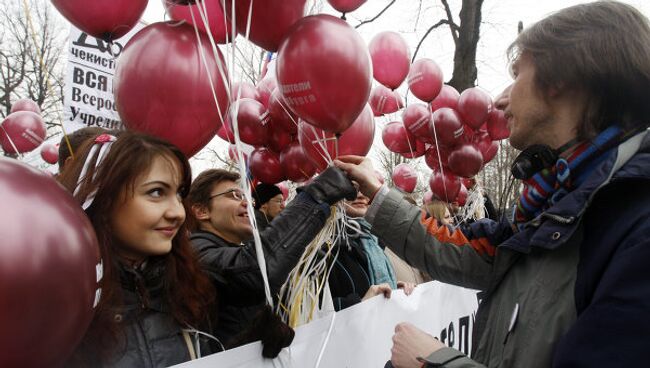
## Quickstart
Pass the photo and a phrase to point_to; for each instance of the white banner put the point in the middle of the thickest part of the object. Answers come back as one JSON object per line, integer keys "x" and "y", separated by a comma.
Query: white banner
{"x": 360, "y": 336}
{"x": 88, "y": 90}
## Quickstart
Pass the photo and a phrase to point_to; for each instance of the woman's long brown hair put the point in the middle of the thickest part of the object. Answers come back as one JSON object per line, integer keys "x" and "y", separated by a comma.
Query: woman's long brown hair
{"x": 189, "y": 292}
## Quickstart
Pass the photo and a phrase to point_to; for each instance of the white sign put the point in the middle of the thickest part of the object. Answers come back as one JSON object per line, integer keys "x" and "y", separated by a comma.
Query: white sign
{"x": 88, "y": 91}
{"x": 360, "y": 336}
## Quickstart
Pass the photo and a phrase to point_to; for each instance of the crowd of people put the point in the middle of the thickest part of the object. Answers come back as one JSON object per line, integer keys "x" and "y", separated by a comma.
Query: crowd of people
{"x": 563, "y": 280}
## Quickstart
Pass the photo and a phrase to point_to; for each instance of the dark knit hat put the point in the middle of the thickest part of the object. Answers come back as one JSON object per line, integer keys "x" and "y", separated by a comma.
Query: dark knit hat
{"x": 263, "y": 193}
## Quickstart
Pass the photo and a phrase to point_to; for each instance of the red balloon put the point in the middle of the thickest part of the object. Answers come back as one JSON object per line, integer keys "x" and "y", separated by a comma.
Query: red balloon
{"x": 497, "y": 125}
{"x": 444, "y": 186}
{"x": 384, "y": 101}
{"x": 220, "y": 27}
{"x": 474, "y": 105}
{"x": 391, "y": 58}
{"x": 425, "y": 79}
{"x": 356, "y": 140}
{"x": 264, "y": 89}
{"x": 465, "y": 161}
{"x": 243, "y": 90}
{"x": 420, "y": 150}
{"x": 25, "y": 104}
{"x": 488, "y": 149}
{"x": 265, "y": 166}
{"x": 468, "y": 182}
{"x": 296, "y": 164}
{"x": 324, "y": 72}
{"x": 447, "y": 126}
{"x": 433, "y": 160}
{"x": 104, "y": 19}
{"x": 226, "y": 134}
{"x": 162, "y": 87}
{"x": 282, "y": 116}
{"x": 50, "y": 153}
{"x": 22, "y": 131}
{"x": 448, "y": 97}
{"x": 417, "y": 120}
{"x": 397, "y": 139}
{"x": 277, "y": 139}
{"x": 252, "y": 121}
{"x": 346, "y": 6}
{"x": 461, "y": 198}
{"x": 49, "y": 259}
{"x": 270, "y": 22}
{"x": 405, "y": 177}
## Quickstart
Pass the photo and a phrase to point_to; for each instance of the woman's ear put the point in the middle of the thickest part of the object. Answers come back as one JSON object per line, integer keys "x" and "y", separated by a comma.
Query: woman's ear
{"x": 200, "y": 212}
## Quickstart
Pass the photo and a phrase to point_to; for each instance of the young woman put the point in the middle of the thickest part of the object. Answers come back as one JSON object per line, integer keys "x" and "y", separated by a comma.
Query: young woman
{"x": 154, "y": 298}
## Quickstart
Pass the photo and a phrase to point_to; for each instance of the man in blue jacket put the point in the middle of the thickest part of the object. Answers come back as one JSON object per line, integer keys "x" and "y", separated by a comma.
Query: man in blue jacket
{"x": 566, "y": 282}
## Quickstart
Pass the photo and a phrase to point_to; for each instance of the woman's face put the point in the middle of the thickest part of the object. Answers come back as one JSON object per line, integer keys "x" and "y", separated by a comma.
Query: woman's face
{"x": 145, "y": 221}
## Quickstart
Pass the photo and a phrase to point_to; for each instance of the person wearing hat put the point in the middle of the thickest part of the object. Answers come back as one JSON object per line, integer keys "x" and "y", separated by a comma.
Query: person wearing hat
{"x": 269, "y": 202}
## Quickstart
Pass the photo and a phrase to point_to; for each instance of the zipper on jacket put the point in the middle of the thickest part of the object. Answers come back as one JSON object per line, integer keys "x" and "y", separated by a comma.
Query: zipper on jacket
{"x": 557, "y": 218}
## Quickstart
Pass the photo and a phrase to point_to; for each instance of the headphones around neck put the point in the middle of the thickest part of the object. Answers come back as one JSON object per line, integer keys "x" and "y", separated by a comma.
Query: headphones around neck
{"x": 535, "y": 158}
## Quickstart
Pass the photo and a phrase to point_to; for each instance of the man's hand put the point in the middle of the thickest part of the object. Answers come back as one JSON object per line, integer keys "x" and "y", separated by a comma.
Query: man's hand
{"x": 406, "y": 286}
{"x": 360, "y": 170}
{"x": 409, "y": 343}
{"x": 377, "y": 290}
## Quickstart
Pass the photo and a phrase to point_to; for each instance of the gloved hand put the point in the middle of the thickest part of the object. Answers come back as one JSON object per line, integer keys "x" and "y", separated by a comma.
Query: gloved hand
{"x": 331, "y": 186}
{"x": 268, "y": 327}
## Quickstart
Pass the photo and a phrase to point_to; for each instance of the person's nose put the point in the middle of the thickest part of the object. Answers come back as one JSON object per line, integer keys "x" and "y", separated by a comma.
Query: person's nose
{"x": 503, "y": 99}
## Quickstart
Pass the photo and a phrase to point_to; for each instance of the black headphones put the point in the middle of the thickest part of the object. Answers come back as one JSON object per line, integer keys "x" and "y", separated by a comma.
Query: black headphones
{"x": 535, "y": 158}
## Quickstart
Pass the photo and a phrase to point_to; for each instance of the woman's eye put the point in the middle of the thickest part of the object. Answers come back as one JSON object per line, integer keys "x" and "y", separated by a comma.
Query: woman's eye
{"x": 156, "y": 193}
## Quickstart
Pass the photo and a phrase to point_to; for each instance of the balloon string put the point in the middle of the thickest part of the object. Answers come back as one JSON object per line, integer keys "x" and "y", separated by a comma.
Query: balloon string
{"x": 48, "y": 84}
{"x": 442, "y": 170}
{"x": 20, "y": 155}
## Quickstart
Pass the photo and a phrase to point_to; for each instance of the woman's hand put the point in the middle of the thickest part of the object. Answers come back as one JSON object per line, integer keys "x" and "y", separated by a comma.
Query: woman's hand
{"x": 360, "y": 170}
{"x": 377, "y": 290}
{"x": 408, "y": 287}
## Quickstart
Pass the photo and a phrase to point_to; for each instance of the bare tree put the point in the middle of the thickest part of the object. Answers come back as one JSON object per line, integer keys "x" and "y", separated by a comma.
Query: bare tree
{"x": 31, "y": 61}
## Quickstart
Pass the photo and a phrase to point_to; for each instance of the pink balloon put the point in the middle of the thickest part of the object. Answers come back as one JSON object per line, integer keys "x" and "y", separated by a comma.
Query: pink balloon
{"x": 162, "y": 87}
{"x": 465, "y": 161}
{"x": 220, "y": 27}
{"x": 384, "y": 101}
{"x": 243, "y": 90}
{"x": 50, "y": 153}
{"x": 264, "y": 89}
{"x": 324, "y": 72}
{"x": 285, "y": 190}
{"x": 417, "y": 120}
{"x": 277, "y": 139}
{"x": 405, "y": 177}
{"x": 48, "y": 277}
{"x": 433, "y": 160}
{"x": 346, "y": 6}
{"x": 282, "y": 116}
{"x": 474, "y": 105}
{"x": 22, "y": 131}
{"x": 390, "y": 58}
{"x": 104, "y": 19}
{"x": 427, "y": 197}
{"x": 425, "y": 79}
{"x": 448, "y": 126}
{"x": 356, "y": 140}
{"x": 296, "y": 164}
{"x": 448, "y": 97}
{"x": 419, "y": 150}
{"x": 444, "y": 186}
{"x": 265, "y": 166}
{"x": 397, "y": 138}
{"x": 25, "y": 104}
{"x": 497, "y": 125}
{"x": 270, "y": 22}
{"x": 252, "y": 121}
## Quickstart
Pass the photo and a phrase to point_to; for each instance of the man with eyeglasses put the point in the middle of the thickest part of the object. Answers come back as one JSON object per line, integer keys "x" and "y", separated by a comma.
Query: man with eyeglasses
{"x": 222, "y": 236}
{"x": 269, "y": 202}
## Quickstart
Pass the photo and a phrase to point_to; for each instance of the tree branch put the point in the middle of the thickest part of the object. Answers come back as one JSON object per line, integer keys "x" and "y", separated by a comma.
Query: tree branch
{"x": 376, "y": 16}
{"x": 440, "y": 22}
{"x": 453, "y": 27}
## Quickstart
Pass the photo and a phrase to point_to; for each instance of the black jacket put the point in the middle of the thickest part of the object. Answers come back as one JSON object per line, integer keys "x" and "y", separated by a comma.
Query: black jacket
{"x": 236, "y": 273}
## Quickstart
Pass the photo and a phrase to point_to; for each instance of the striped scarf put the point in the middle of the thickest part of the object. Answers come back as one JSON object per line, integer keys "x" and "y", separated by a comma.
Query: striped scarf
{"x": 551, "y": 184}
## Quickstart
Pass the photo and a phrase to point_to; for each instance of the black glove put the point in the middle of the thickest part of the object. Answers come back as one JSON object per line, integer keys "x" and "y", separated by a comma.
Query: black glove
{"x": 331, "y": 186}
{"x": 268, "y": 327}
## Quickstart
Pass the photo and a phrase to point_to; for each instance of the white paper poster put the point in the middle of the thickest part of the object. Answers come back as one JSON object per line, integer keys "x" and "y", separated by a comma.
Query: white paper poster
{"x": 361, "y": 335}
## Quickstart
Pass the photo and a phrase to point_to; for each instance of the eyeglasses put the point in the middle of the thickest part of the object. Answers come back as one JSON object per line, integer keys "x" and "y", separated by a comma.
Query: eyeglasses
{"x": 278, "y": 201}
{"x": 235, "y": 194}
